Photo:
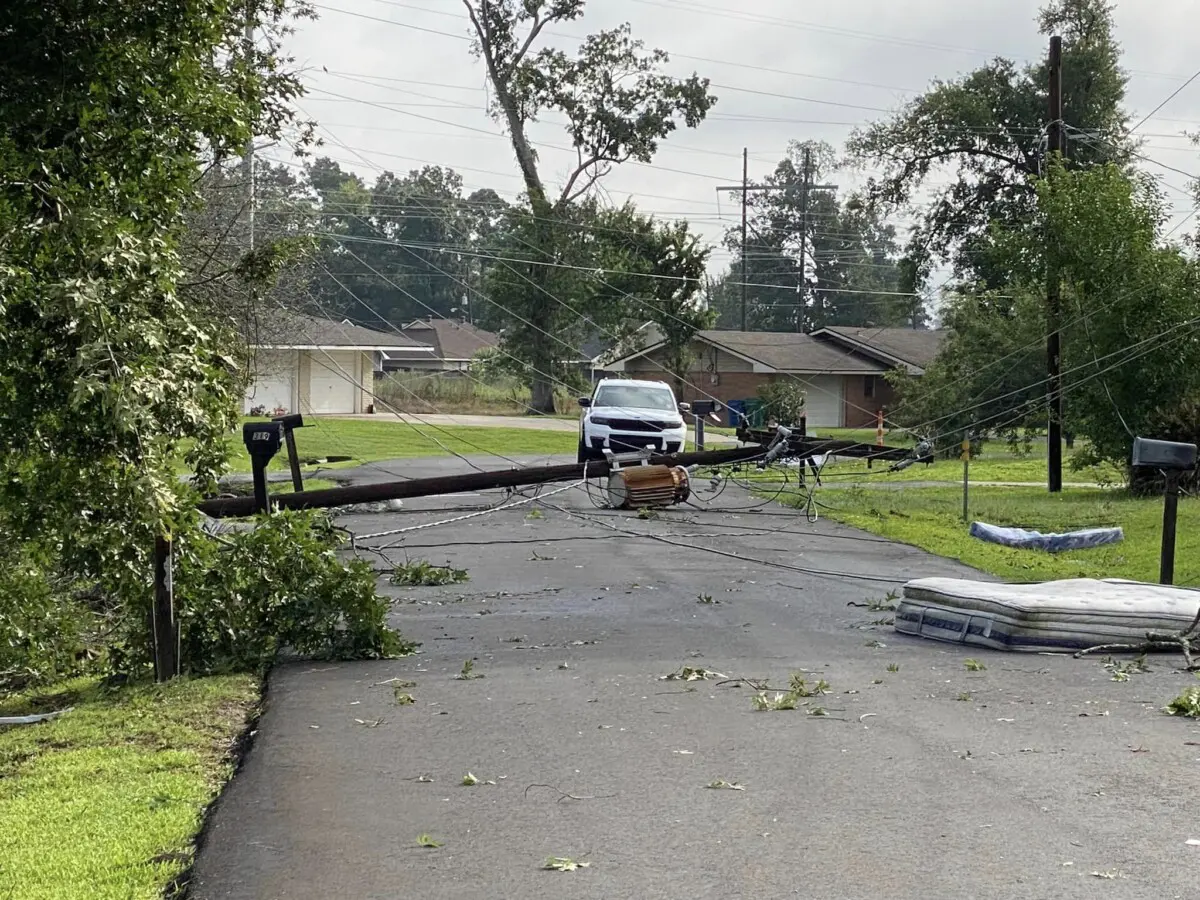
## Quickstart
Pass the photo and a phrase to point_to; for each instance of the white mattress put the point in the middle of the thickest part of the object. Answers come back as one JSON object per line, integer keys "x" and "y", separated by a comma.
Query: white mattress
{"x": 1068, "y": 615}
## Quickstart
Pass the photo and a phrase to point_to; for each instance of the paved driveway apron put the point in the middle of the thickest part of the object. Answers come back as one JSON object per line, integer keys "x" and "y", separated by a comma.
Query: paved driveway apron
{"x": 928, "y": 782}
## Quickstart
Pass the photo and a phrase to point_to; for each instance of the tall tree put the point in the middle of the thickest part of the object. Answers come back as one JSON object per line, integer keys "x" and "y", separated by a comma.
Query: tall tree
{"x": 112, "y": 111}
{"x": 986, "y": 130}
{"x": 662, "y": 268}
{"x": 1132, "y": 362}
{"x": 813, "y": 260}
{"x": 395, "y": 249}
{"x": 618, "y": 106}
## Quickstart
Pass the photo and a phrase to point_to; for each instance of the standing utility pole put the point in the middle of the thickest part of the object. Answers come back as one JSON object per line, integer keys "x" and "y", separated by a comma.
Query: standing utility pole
{"x": 745, "y": 189}
{"x": 804, "y": 185}
{"x": 1057, "y": 151}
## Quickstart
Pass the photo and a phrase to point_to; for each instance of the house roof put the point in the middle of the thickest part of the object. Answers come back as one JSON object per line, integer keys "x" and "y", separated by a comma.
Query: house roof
{"x": 284, "y": 329}
{"x": 792, "y": 352}
{"x": 450, "y": 340}
{"x": 911, "y": 348}
{"x": 775, "y": 351}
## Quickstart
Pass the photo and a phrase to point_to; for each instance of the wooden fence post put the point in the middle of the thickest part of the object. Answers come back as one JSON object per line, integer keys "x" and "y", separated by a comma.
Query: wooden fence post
{"x": 165, "y": 627}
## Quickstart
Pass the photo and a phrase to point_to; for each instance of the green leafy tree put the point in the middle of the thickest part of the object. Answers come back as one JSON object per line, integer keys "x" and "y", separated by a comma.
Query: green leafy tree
{"x": 114, "y": 110}
{"x": 985, "y": 131}
{"x": 1131, "y": 320}
{"x": 618, "y": 106}
{"x": 662, "y": 270}
{"x": 813, "y": 260}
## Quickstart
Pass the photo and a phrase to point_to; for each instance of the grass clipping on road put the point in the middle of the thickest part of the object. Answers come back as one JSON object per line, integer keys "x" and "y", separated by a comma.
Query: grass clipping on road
{"x": 104, "y": 802}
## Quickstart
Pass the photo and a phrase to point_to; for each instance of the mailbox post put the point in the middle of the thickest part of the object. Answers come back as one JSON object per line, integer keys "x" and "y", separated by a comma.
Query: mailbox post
{"x": 262, "y": 441}
{"x": 289, "y": 423}
{"x": 700, "y": 409}
{"x": 1173, "y": 460}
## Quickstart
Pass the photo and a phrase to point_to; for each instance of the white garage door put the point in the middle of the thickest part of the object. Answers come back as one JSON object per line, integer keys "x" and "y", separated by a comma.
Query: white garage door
{"x": 824, "y": 403}
{"x": 273, "y": 384}
{"x": 332, "y": 382}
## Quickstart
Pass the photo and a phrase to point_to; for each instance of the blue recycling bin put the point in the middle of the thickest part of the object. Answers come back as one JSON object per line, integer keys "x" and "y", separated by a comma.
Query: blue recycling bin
{"x": 737, "y": 409}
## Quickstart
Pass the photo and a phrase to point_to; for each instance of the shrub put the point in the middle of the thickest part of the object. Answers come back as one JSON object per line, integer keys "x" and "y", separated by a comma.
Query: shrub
{"x": 243, "y": 596}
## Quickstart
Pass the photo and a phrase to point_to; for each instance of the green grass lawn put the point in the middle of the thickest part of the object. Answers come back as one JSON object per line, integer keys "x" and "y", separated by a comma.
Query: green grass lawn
{"x": 369, "y": 441}
{"x": 931, "y": 518}
{"x": 104, "y": 802}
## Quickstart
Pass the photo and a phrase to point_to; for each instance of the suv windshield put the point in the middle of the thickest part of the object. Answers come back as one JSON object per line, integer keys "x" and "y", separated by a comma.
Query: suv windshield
{"x": 635, "y": 397}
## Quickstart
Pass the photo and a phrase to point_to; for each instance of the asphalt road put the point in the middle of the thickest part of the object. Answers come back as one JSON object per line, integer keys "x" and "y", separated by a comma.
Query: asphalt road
{"x": 925, "y": 782}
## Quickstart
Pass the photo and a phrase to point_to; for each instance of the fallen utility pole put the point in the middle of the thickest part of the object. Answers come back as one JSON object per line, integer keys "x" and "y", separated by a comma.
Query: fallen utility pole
{"x": 454, "y": 484}
{"x": 800, "y": 446}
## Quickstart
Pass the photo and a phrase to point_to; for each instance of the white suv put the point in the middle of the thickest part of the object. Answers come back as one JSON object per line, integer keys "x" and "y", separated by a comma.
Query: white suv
{"x": 624, "y": 416}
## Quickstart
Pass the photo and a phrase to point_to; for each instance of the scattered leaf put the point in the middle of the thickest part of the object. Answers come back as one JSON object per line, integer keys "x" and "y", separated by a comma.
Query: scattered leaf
{"x": 404, "y": 699}
{"x": 1186, "y": 704}
{"x": 893, "y": 667}
{"x": 708, "y": 599}
{"x": 423, "y": 573}
{"x": 428, "y": 841}
{"x": 468, "y": 672}
{"x": 726, "y": 785}
{"x": 469, "y": 780}
{"x": 563, "y": 864}
{"x": 690, "y": 673}
{"x": 974, "y": 665}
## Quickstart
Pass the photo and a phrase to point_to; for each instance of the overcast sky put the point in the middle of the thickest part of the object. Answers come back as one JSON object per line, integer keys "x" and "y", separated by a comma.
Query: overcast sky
{"x": 402, "y": 89}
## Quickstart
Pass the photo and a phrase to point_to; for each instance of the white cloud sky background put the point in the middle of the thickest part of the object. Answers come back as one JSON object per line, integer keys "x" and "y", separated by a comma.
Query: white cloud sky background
{"x": 425, "y": 95}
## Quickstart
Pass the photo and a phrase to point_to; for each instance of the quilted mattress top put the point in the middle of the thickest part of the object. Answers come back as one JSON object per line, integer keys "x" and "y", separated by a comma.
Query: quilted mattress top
{"x": 1079, "y": 596}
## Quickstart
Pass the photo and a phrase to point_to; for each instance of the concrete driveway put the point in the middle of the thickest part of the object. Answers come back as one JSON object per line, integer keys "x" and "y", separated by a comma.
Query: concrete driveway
{"x": 924, "y": 781}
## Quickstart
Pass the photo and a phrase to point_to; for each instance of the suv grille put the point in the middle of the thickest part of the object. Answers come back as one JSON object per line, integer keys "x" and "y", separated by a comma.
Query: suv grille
{"x": 638, "y": 425}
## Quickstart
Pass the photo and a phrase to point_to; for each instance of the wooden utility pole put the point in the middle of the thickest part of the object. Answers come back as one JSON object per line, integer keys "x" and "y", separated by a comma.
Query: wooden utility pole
{"x": 1056, "y": 141}
{"x": 804, "y": 186}
{"x": 745, "y": 189}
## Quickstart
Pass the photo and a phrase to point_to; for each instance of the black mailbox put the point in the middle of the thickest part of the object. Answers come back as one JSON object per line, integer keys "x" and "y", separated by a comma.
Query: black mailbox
{"x": 1174, "y": 459}
{"x": 262, "y": 443}
{"x": 1169, "y": 455}
{"x": 705, "y": 407}
{"x": 262, "y": 440}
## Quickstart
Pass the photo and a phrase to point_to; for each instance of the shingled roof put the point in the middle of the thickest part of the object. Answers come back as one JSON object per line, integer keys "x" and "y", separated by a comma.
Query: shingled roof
{"x": 451, "y": 341}
{"x": 782, "y": 351}
{"x": 284, "y": 329}
{"x": 909, "y": 348}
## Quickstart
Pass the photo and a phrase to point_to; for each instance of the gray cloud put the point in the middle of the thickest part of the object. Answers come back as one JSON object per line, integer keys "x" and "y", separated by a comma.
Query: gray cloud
{"x": 435, "y": 109}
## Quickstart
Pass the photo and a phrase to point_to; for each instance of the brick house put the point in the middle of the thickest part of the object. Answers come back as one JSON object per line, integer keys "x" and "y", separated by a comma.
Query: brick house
{"x": 841, "y": 369}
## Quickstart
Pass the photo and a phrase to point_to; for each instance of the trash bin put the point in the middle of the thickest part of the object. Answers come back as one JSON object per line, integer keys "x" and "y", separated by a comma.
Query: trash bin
{"x": 756, "y": 412}
{"x": 737, "y": 409}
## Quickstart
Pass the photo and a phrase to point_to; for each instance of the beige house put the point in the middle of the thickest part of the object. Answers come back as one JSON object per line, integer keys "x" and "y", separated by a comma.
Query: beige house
{"x": 313, "y": 366}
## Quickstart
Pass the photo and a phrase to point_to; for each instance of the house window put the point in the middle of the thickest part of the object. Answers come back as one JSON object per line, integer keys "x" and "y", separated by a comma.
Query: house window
{"x": 869, "y": 387}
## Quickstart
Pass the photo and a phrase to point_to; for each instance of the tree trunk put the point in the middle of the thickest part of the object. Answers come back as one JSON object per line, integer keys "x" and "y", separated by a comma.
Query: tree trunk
{"x": 541, "y": 383}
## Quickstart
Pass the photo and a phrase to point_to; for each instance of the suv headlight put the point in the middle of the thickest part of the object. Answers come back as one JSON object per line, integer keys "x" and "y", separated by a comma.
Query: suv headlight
{"x": 600, "y": 420}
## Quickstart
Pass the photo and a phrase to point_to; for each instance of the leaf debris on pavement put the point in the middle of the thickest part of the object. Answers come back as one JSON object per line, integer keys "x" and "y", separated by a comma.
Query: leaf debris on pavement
{"x": 468, "y": 672}
{"x": 725, "y": 785}
{"x": 563, "y": 864}
{"x": 428, "y": 841}
{"x": 691, "y": 673}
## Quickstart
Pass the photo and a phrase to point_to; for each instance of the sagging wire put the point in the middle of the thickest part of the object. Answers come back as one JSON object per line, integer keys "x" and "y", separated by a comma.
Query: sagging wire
{"x": 472, "y": 515}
